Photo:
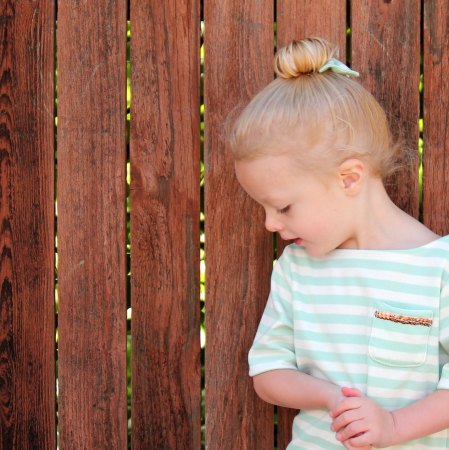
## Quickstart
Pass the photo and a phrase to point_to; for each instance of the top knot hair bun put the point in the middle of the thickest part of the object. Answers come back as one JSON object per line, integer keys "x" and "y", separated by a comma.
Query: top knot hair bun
{"x": 303, "y": 57}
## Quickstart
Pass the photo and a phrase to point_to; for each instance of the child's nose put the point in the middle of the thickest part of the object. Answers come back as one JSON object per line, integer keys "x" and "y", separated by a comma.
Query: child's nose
{"x": 272, "y": 224}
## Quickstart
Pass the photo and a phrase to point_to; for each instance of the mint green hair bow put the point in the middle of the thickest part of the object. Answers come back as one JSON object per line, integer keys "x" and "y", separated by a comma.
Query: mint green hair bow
{"x": 338, "y": 67}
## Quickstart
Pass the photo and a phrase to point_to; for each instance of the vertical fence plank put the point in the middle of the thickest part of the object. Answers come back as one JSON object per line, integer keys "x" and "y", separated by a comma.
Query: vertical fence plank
{"x": 165, "y": 214}
{"x": 386, "y": 52}
{"x": 238, "y": 62}
{"x": 91, "y": 224}
{"x": 436, "y": 120}
{"x": 165, "y": 207}
{"x": 27, "y": 342}
{"x": 298, "y": 20}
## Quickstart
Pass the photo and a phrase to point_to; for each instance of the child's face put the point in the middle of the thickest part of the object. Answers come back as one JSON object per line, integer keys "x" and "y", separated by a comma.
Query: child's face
{"x": 311, "y": 209}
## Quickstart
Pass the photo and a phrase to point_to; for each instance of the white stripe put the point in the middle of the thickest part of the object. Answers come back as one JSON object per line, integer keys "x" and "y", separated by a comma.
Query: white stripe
{"x": 444, "y": 312}
{"x": 391, "y": 373}
{"x": 334, "y": 309}
{"x": 268, "y": 321}
{"x": 444, "y": 337}
{"x": 386, "y": 354}
{"x": 268, "y": 353}
{"x": 312, "y": 430}
{"x": 398, "y": 394}
{"x": 332, "y": 347}
{"x": 285, "y": 294}
{"x": 361, "y": 273}
{"x": 404, "y": 357}
{"x": 332, "y": 367}
{"x": 358, "y": 330}
{"x": 256, "y": 369}
{"x": 392, "y": 257}
{"x": 364, "y": 291}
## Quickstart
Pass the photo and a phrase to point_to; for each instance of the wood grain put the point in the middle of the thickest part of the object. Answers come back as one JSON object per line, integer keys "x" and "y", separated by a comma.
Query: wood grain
{"x": 436, "y": 120}
{"x": 238, "y": 62}
{"x": 91, "y": 224}
{"x": 386, "y": 52}
{"x": 27, "y": 338}
{"x": 165, "y": 217}
{"x": 304, "y": 18}
{"x": 165, "y": 199}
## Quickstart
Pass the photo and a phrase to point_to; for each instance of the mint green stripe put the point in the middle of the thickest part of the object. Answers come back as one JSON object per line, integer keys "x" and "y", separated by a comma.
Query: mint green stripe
{"x": 335, "y": 338}
{"x": 353, "y": 380}
{"x": 395, "y": 286}
{"x": 332, "y": 318}
{"x": 403, "y": 347}
{"x": 410, "y": 268}
{"x": 299, "y": 428}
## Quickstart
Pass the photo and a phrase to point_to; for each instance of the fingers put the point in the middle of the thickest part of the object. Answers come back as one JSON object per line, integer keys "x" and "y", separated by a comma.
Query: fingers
{"x": 349, "y": 402}
{"x": 353, "y": 430}
{"x": 364, "y": 447}
{"x": 349, "y": 446}
{"x": 345, "y": 405}
{"x": 351, "y": 392}
{"x": 350, "y": 430}
{"x": 361, "y": 442}
{"x": 344, "y": 419}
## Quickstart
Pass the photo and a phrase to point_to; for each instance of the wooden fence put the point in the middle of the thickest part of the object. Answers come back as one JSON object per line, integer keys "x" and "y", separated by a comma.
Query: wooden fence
{"x": 88, "y": 178}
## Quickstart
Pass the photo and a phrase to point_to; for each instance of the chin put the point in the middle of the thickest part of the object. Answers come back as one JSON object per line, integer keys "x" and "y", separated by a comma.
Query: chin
{"x": 316, "y": 252}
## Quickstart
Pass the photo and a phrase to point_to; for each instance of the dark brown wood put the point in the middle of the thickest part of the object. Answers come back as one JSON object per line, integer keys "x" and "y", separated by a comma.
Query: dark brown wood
{"x": 165, "y": 214}
{"x": 386, "y": 51}
{"x": 238, "y": 62}
{"x": 436, "y": 119}
{"x": 297, "y": 20}
{"x": 165, "y": 153}
{"x": 27, "y": 338}
{"x": 92, "y": 224}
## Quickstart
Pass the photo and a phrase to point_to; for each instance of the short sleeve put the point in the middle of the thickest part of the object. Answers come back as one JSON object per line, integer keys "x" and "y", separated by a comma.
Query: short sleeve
{"x": 273, "y": 346}
{"x": 444, "y": 335}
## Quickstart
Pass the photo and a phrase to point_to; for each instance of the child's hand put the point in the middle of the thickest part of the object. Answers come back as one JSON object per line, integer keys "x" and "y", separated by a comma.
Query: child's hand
{"x": 360, "y": 422}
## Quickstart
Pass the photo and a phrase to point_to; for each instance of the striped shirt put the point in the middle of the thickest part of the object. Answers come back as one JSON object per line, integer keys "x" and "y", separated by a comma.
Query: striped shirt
{"x": 376, "y": 320}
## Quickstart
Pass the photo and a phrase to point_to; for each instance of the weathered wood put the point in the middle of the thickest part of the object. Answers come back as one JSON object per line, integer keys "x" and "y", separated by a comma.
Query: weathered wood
{"x": 91, "y": 224}
{"x": 27, "y": 339}
{"x": 298, "y": 20}
{"x": 238, "y": 62}
{"x": 386, "y": 52}
{"x": 165, "y": 215}
{"x": 304, "y": 18}
{"x": 165, "y": 154}
{"x": 436, "y": 119}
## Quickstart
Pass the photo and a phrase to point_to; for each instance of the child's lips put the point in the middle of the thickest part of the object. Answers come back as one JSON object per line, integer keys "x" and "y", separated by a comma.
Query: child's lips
{"x": 297, "y": 241}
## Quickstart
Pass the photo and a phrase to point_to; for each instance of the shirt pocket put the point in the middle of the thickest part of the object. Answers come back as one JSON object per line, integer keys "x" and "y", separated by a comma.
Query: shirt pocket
{"x": 399, "y": 336}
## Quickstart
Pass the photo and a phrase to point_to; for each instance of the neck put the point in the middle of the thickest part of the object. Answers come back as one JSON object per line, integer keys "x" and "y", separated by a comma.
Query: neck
{"x": 380, "y": 224}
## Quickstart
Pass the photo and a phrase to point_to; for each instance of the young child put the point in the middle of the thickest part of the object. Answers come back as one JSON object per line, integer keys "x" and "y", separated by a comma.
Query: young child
{"x": 355, "y": 333}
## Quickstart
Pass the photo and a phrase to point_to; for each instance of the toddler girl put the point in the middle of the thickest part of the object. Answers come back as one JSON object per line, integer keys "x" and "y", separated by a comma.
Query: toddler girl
{"x": 355, "y": 333}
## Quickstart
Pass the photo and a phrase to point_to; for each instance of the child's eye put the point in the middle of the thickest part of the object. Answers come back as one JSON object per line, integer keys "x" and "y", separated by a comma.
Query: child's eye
{"x": 284, "y": 210}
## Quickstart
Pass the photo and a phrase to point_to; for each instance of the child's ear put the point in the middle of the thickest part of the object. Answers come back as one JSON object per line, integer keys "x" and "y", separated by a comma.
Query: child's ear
{"x": 351, "y": 173}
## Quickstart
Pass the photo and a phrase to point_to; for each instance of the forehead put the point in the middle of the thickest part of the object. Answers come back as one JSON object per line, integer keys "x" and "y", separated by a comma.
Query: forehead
{"x": 273, "y": 168}
{"x": 270, "y": 178}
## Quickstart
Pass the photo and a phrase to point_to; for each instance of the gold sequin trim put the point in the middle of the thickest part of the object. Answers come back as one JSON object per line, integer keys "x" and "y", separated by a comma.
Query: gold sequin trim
{"x": 403, "y": 319}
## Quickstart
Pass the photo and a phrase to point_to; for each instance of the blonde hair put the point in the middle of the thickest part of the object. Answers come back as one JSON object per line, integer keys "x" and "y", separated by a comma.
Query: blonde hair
{"x": 321, "y": 119}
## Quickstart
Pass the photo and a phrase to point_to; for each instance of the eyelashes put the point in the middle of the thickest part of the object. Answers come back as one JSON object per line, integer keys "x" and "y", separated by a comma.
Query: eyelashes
{"x": 284, "y": 210}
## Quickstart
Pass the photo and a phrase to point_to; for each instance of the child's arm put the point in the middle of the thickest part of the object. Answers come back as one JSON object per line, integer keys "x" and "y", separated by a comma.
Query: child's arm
{"x": 359, "y": 420}
{"x": 294, "y": 389}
